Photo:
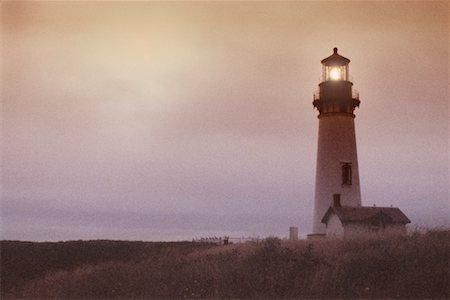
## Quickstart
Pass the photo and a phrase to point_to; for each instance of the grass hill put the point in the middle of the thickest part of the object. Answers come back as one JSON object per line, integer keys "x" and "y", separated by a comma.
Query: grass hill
{"x": 415, "y": 266}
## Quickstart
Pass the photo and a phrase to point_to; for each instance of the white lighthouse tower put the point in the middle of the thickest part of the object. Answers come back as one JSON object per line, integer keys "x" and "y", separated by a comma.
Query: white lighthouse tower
{"x": 337, "y": 162}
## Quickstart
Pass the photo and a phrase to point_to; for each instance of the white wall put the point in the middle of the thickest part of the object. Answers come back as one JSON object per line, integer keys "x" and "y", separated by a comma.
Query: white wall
{"x": 334, "y": 227}
{"x": 336, "y": 144}
{"x": 363, "y": 229}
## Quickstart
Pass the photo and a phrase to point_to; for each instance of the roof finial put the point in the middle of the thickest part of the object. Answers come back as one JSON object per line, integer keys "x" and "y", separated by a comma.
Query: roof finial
{"x": 335, "y": 50}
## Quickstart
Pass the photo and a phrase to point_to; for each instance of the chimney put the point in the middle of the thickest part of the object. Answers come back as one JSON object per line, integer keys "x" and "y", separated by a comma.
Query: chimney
{"x": 336, "y": 200}
{"x": 293, "y": 233}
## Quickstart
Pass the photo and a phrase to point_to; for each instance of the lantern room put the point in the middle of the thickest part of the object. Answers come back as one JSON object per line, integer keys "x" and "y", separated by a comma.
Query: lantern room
{"x": 335, "y": 67}
{"x": 336, "y": 93}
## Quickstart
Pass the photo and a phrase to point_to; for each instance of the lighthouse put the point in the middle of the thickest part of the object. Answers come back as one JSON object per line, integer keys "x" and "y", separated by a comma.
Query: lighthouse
{"x": 337, "y": 176}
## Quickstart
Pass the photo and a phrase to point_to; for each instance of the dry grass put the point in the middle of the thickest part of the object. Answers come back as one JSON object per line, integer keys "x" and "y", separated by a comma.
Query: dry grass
{"x": 415, "y": 266}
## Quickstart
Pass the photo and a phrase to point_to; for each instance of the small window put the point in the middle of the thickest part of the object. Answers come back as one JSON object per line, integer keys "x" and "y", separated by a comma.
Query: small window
{"x": 347, "y": 174}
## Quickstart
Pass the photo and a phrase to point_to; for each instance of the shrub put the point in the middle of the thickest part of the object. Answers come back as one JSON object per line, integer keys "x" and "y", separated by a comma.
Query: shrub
{"x": 394, "y": 267}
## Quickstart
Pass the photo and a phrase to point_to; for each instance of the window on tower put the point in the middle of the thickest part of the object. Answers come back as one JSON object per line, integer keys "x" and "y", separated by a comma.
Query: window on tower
{"x": 346, "y": 174}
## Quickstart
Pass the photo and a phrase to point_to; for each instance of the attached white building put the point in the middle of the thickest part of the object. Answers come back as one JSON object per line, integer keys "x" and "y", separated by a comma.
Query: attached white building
{"x": 348, "y": 221}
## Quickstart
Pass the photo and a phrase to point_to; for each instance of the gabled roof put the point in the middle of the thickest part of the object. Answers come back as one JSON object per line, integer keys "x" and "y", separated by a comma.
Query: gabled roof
{"x": 349, "y": 214}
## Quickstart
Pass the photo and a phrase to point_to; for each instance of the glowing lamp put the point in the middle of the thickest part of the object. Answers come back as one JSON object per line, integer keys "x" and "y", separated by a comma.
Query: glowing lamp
{"x": 335, "y": 67}
{"x": 335, "y": 74}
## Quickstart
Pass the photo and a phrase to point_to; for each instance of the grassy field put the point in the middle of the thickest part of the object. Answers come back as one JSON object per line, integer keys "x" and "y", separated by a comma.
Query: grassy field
{"x": 416, "y": 266}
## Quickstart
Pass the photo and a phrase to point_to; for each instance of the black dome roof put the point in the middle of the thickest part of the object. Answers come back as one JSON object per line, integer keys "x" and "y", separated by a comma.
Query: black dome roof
{"x": 335, "y": 59}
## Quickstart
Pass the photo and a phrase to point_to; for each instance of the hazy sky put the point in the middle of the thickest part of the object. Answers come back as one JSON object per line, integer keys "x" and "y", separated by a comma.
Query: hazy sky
{"x": 167, "y": 121}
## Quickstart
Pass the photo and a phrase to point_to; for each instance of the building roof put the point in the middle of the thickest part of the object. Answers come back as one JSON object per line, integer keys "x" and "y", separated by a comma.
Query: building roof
{"x": 349, "y": 214}
{"x": 335, "y": 59}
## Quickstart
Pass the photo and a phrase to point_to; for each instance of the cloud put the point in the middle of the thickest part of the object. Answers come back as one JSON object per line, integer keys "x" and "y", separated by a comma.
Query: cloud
{"x": 185, "y": 109}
